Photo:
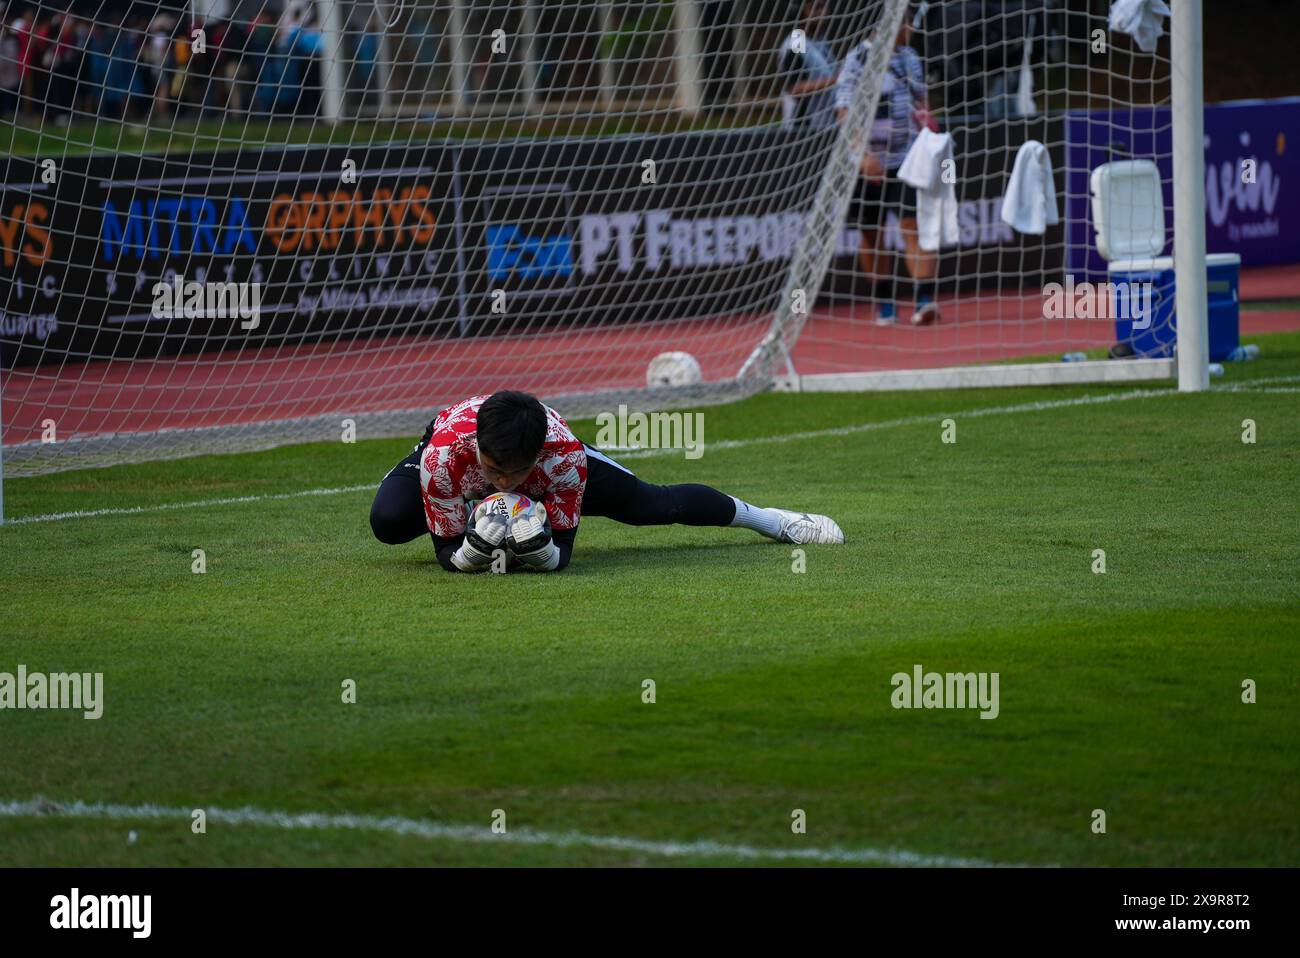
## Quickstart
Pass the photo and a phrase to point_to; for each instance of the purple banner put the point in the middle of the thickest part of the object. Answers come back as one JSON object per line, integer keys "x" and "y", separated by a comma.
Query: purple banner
{"x": 1260, "y": 219}
{"x": 1252, "y": 177}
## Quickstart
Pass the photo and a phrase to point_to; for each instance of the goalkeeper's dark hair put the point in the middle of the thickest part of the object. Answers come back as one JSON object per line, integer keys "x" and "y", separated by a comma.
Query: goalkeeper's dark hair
{"x": 511, "y": 427}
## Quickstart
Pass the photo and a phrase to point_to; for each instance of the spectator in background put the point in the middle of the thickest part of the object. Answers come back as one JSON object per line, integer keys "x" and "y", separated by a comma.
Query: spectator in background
{"x": 179, "y": 54}
{"x": 366, "y": 53}
{"x": 127, "y": 92}
{"x": 978, "y": 52}
{"x": 36, "y": 66}
{"x": 21, "y": 31}
{"x": 427, "y": 38}
{"x": 155, "y": 59}
{"x": 254, "y": 68}
{"x": 65, "y": 64}
{"x": 10, "y": 54}
{"x": 1017, "y": 39}
{"x": 306, "y": 53}
{"x": 206, "y": 79}
{"x": 955, "y": 49}
{"x": 902, "y": 111}
{"x": 808, "y": 71}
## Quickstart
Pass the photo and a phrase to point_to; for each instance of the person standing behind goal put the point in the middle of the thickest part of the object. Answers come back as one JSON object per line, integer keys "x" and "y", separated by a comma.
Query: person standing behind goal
{"x": 808, "y": 70}
{"x": 902, "y": 110}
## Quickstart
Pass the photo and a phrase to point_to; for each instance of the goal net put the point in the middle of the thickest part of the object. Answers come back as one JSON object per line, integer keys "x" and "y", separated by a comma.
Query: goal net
{"x": 1050, "y": 113}
{"x": 229, "y": 225}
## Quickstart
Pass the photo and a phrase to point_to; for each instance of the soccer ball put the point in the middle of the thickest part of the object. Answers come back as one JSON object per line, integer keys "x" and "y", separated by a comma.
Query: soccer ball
{"x": 507, "y": 504}
{"x": 673, "y": 369}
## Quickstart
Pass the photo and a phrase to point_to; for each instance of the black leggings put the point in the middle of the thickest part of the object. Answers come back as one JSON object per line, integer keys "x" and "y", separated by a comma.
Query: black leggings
{"x": 612, "y": 492}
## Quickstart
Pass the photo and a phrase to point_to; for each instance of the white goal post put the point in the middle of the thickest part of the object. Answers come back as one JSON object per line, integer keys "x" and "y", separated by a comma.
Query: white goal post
{"x": 1189, "y": 195}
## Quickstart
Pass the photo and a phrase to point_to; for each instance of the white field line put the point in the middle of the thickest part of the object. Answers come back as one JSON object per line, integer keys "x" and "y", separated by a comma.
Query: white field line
{"x": 170, "y": 506}
{"x": 1247, "y": 385}
{"x": 926, "y": 419}
{"x": 410, "y": 827}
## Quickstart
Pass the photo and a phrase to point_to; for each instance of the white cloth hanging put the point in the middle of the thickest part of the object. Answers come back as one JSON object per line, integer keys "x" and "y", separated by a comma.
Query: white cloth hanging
{"x": 1025, "y": 92}
{"x": 1030, "y": 202}
{"x": 936, "y": 194}
{"x": 1140, "y": 19}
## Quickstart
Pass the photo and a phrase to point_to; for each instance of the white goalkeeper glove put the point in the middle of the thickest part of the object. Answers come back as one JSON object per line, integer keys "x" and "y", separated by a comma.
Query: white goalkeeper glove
{"x": 485, "y": 534}
{"x": 529, "y": 538}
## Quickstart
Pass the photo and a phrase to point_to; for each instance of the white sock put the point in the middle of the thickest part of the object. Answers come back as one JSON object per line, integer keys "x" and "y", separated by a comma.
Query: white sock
{"x": 766, "y": 521}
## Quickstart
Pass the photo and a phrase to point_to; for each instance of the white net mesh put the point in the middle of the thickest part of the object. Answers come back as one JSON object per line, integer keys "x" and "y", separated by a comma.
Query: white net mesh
{"x": 406, "y": 203}
{"x": 999, "y": 75}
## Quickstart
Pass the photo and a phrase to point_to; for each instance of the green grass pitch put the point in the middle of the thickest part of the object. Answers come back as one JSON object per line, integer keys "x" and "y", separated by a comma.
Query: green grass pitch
{"x": 1119, "y": 691}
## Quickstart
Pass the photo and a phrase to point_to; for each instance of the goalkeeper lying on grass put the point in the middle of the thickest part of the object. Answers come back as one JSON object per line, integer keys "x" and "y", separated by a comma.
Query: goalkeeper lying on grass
{"x": 510, "y": 443}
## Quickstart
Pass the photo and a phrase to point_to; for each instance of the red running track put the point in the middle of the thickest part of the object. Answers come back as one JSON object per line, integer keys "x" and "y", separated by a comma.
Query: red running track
{"x": 359, "y": 376}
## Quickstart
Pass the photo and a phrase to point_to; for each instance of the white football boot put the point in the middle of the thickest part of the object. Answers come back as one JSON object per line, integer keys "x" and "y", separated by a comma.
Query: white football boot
{"x": 808, "y": 528}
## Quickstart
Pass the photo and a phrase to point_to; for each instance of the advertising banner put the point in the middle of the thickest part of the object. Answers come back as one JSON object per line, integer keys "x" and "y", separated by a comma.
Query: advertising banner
{"x": 337, "y": 242}
{"x": 457, "y": 238}
{"x": 1252, "y": 177}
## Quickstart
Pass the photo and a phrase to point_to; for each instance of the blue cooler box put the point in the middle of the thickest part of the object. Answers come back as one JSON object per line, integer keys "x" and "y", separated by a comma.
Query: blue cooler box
{"x": 1223, "y": 281}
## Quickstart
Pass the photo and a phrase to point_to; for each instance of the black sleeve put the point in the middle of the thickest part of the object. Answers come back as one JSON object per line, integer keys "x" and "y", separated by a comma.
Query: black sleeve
{"x": 444, "y": 548}
{"x": 564, "y": 540}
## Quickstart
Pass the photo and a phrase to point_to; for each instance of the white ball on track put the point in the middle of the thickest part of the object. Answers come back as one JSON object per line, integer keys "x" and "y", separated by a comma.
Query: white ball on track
{"x": 673, "y": 369}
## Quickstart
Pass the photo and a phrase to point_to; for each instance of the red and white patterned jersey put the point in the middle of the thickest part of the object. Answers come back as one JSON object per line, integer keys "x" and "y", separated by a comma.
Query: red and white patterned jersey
{"x": 450, "y": 473}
